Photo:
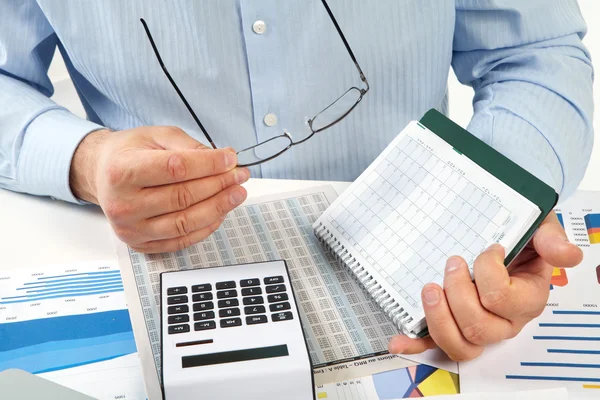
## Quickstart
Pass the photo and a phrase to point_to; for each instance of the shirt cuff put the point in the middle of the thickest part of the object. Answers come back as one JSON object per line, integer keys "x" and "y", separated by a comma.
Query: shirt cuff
{"x": 49, "y": 143}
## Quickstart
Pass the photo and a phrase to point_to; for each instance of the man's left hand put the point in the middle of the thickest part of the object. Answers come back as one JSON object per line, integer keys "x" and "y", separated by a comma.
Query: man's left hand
{"x": 467, "y": 315}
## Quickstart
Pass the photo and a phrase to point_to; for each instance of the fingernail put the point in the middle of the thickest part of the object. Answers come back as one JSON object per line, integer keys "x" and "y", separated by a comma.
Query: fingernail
{"x": 495, "y": 247}
{"x": 431, "y": 296}
{"x": 241, "y": 175}
{"x": 237, "y": 197}
{"x": 395, "y": 348}
{"x": 230, "y": 159}
{"x": 453, "y": 263}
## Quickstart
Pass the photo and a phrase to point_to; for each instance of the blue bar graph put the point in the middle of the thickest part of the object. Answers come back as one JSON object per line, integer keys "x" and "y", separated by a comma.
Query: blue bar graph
{"x": 566, "y": 329}
{"x": 68, "y": 285}
{"x": 562, "y": 325}
{"x": 566, "y": 338}
{"x": 573, "y": 351}
{"x": 575, "y": 312}
{"x": 51, "y": 344}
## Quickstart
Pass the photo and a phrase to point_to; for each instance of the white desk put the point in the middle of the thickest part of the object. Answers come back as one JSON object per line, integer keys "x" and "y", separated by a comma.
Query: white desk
{"x": 35, "y": 231}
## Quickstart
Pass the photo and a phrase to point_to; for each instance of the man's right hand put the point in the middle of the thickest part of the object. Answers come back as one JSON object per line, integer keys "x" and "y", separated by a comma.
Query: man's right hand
{"x": 160, "y": 189}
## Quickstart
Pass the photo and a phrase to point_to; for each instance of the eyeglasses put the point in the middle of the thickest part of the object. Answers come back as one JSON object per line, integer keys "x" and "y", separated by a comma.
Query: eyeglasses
{"x": 277, "y": 145}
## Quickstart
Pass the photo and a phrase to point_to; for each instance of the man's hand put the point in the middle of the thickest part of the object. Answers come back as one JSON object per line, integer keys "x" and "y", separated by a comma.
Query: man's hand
{"x": 465, "y": 316}
{"x": 160, "y": 189}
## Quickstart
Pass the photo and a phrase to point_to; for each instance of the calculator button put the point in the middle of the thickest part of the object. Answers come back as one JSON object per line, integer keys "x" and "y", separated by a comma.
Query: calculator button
{"x": 202, "y": 296}
{"x": 177, "y": 299}
{"x": 228, "y": 322}
{"x": 273, "y": 279}
{"x": 275, "y": 288}
{"x": 176, "y": 290}
{"x": 248, "y": 301}
{"x": 250, "y": 282}
{"x": 204, "y": 325}
{"x": 223, "y": 294}
{"x": 229, "y": 303}
{"x": 282, "y": 316}
{"x": 254, "y": 310}
{"x": 273, "y": 298}
{"x": 225, "y": 285}
{"x": 251, "y": 291}
{"x": 209, "y": 305}
{"x": 256, "y": 319}
{"x": 229, "y": 312}
{"x": 178, "y": 319}
{"x": 179, "y": 329}
{"x": 178, "y": 309}
{"x": 279, "y": 307}
{"x": 204, "y": 315}
{"x": 205, "y": 287}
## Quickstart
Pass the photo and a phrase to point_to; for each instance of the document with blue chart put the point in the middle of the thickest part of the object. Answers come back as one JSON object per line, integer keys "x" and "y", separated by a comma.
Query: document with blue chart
{"x": 431, "y": 194}
{"x": 70, "y": 324}
{"x": 560, "y": 348}
{"x": 341, "y": 322}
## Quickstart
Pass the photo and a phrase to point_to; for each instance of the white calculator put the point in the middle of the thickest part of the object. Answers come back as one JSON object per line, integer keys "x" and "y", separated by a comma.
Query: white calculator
{"x": 233, "y": 332}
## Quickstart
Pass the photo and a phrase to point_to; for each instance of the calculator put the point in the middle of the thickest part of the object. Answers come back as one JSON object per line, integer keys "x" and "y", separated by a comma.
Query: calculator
{"x": 233, "y": 332}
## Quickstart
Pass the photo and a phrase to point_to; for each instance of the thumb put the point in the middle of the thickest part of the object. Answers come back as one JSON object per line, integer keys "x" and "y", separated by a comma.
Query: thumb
{"x": 552, "y": 244}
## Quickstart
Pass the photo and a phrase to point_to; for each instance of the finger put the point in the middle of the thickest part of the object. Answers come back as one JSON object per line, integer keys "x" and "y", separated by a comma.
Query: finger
{"x": 401, "y": 344}
{"x": 476, "y": 324}
{"x": 174, "y": 138}
{"x": 180, "y": 196}
{"x": 551, "y": 243}
{"x": 148, "y": 168}
{"x": 504, "y": 296}
{"x": 442, "y": 327}
{"x": 196, "y": 217}
{"x": 180, "y": 243}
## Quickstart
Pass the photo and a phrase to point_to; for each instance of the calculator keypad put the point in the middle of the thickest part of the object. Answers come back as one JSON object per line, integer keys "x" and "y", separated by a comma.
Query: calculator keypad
{"x": 228, "y": 302}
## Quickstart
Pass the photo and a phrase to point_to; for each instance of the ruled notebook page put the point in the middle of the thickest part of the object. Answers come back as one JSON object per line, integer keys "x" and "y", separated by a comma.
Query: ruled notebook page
{"x": 418, "y": 203}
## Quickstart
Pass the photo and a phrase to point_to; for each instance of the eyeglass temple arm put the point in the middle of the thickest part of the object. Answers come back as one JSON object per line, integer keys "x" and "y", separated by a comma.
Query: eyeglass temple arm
{"x": 181, "y": 96}
{"x": 337, "y": 27}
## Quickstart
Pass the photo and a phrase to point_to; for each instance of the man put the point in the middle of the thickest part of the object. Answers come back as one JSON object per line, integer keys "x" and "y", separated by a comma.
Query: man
{"x": 249, "y": 69}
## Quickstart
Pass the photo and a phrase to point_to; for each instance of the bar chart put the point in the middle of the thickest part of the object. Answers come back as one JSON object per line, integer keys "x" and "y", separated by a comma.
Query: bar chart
{"x": 70, "y": 324}
{"x": 592, "y": 223}
{"x": 560, "y": 348}
{"x": 567, "y": 349}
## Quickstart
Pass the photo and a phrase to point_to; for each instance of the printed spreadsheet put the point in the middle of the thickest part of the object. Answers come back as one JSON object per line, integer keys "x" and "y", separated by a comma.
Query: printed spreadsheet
{"x": 421, "y": 202}
{"x": 340, "y": 321}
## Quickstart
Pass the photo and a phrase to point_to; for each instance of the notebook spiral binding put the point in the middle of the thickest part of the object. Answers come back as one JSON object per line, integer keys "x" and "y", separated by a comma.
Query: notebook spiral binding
{"x": 398, "y": 315}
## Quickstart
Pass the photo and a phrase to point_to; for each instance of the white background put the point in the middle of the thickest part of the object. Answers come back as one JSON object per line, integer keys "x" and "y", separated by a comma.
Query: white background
{"x": 460, "y": 96}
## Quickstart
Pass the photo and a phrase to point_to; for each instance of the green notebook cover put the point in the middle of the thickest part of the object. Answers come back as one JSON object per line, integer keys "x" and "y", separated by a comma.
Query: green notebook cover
{"x": 498, "y": 165}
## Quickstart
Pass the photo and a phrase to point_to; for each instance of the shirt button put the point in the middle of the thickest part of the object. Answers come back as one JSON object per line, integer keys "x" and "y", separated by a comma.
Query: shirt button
{"x": 259, "y": 27}
{"x": 270, "y": 119}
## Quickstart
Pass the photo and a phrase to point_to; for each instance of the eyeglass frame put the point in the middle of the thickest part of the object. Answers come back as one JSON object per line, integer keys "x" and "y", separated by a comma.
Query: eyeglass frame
{"x": 285, "y": 134}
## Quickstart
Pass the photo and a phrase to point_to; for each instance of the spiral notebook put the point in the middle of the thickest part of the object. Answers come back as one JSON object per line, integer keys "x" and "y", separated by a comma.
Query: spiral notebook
{"x": 434, "y": 192}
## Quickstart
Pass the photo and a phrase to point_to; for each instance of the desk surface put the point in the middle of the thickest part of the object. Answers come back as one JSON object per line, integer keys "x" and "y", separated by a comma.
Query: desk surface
{"x": 36, "y": 231}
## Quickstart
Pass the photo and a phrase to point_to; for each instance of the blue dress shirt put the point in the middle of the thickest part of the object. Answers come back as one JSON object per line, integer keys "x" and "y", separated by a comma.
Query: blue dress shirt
{"x": 531, "y": 74}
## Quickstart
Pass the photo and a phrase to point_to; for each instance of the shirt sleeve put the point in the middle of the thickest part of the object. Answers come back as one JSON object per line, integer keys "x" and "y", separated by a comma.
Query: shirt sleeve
{"x": 532, "y": 78}
{"x": 37, "y": 137}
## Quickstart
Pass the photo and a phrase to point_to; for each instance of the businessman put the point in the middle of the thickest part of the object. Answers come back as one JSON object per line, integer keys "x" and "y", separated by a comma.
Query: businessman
{"x": 157, "y": 149}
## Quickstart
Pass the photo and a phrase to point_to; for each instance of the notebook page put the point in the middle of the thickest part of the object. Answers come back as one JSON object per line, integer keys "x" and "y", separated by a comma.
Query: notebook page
{"x": 418, "y": 203}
